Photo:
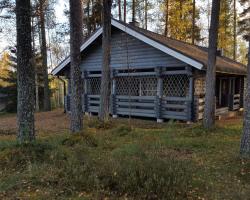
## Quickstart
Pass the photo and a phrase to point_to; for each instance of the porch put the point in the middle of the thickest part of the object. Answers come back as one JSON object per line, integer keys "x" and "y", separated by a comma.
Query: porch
{"x": 160, "y": 93}
{"x": 229, "y": 96}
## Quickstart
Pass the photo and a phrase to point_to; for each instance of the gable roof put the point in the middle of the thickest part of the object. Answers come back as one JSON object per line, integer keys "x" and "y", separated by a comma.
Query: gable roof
{"x": 193, "y": 55}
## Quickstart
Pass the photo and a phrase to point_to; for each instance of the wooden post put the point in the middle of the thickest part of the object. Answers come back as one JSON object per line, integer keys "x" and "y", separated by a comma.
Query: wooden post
{"x": 67, "y": 97}
{"x": 158, "y": 102}
{"x": 241, "y": 92}
{"x": 113, "y": 95}
{"x": 220, "y": 92}
{"x": 190, "y": 106}
{"x": 85, "y": 95}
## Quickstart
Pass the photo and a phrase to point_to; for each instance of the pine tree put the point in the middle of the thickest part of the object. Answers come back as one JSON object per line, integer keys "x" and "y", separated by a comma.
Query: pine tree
{"x": 181, "y": 12}
{"x": 225, "y": 38}
{"x": 106, "y": 46}
{"x": 42, "y": 9}
{"x": 8, "y": 81}
{"x": 209, "y": 110}
{"x": 76, "y": 38}
{"x": 245, "y": 30}
{"x": 25, "y": 73}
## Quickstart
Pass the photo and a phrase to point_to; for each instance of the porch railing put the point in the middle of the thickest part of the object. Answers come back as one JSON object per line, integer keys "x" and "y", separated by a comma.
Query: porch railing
{"x": 234, "y": 102}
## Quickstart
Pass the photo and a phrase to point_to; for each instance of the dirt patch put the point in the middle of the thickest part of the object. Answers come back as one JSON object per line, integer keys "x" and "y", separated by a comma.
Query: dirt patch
{"x": 55, "y": 121}
{"x": 58, "y": 122}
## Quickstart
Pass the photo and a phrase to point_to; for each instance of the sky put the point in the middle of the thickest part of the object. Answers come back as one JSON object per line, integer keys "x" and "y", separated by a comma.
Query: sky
{"x": 5, "y": 35}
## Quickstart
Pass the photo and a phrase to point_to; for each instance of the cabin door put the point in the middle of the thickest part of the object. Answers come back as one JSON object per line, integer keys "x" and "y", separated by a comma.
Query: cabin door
{"x": 223, "y": 92}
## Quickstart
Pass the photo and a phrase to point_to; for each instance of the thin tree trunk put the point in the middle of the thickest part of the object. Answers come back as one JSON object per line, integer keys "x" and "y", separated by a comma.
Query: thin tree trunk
{"x": 36, "y": 70}
{"x": 76, "y": 37}
{"x": 193, "y": 22}
{"x": 235, "y": 33}
{"x": 37, "y": 92}
{"x": 106, "y": 46}
{"x": 209, "y": 113}
{"x": 88, "y": 18}
{"x": 125, "y": 11}
{"x": 25, "y": 73}
{"x": 146, "y": 14}
{"x": 245, "y": 140}
{"x": 46, "y": 100}
{"x": 119, "y": 10}
{"x": 181, "y": 9}
{"x": 166, "y": 18}
{"x": 133, "y": 11}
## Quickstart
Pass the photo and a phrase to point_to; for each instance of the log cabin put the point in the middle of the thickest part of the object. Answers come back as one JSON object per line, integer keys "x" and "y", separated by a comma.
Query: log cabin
{"x": 154, "y": 76}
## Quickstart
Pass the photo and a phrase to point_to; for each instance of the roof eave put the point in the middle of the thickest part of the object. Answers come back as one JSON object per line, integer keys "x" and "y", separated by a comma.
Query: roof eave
{"x": 140, "y": 36}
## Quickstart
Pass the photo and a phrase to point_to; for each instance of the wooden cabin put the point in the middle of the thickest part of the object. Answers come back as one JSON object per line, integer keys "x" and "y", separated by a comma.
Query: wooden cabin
{"x": 154, "y": 76}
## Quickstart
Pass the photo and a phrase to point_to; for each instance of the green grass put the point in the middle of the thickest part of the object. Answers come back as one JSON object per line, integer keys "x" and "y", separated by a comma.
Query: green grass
{"x": 116, "y": 161}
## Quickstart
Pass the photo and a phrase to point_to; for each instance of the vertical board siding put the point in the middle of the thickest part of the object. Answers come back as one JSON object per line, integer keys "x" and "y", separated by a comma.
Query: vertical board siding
{"x": 128, "y": 51}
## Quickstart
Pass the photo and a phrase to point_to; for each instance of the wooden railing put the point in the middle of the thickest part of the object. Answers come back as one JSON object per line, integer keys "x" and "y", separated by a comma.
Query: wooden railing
{"x": 199, "y": 107}
{"x": 142, "y": 106}
{"x": 176, "y": 108}
{"x": 234, "y": 102}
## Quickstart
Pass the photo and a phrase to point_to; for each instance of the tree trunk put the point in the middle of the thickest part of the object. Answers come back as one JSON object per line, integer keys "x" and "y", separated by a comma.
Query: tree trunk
{"x": 25, "y": 73}
{"x": 106, "y": 40}
{"x": 37, "y": 92}
{"x": 46, "y": 97}
{"x": 181, "y": 9}
{"x": 88, "y": 18}
{"x": 146, "y": 14}
{"x": 125, "y": 11}
{"x": 119, "y": 10}
{"x": 34, "y": 64}
{"x": 133, "y": 11}
{"x": 209, "y": 113}
{"x": 76, "y": 38}
{"x": 166, "y": 18}
{"x": 245, "y": 140}
{"x": 235, "y": 33}
{"x": 193, "y": 22}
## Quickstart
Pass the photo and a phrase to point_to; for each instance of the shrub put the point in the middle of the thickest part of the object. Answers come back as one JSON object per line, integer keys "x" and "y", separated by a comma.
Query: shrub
{"x": 83, "y": 138}
{"x": 146, "y": 177}
{"x": 18, "y": 156}
{"x": 95, "y": 123}
{"x": 122, "y": 130}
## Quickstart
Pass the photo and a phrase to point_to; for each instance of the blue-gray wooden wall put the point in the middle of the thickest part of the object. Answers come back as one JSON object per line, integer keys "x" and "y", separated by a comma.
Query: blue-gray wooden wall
{"x": 140, "y": 54}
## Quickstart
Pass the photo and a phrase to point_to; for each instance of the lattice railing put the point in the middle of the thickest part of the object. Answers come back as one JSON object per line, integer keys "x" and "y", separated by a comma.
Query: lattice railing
{"x": 136, "y": 95}
{"x": 136, "y": 86}
{"x": 94, "y": 86}
{"x": 176, "y": 85}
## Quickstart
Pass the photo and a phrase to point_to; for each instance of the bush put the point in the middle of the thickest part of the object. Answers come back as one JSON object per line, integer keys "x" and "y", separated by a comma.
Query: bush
{"x": 146, "y": 177}
{"x": 122, "y": 130}
{"x": 97, "y": 124}
{"x": 75, "y": 165}
{"x": 83, "y": 138}
{"x": 18, "y": 156}
{"x": 127, "y": 172}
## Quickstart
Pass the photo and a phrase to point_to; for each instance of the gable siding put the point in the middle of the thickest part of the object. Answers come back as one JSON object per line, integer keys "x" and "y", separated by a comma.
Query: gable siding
{"x": 139, "y": 54}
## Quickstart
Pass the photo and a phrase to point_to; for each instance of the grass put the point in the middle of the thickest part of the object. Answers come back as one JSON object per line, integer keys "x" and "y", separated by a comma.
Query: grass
{"x": 118, "y": 161}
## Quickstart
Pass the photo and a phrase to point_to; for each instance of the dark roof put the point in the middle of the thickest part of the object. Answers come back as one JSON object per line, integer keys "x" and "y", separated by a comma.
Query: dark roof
{"x": 198, "y": 53}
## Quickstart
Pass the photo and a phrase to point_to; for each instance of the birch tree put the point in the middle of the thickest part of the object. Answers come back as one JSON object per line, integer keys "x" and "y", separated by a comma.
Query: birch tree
{"x": 76, "y": 38}
{"x": 25, "y": 73}
{"x": 209, "y": 110}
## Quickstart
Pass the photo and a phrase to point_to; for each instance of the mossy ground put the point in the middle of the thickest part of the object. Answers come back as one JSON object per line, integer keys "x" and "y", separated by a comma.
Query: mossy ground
{"x": 125, "y": 159}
